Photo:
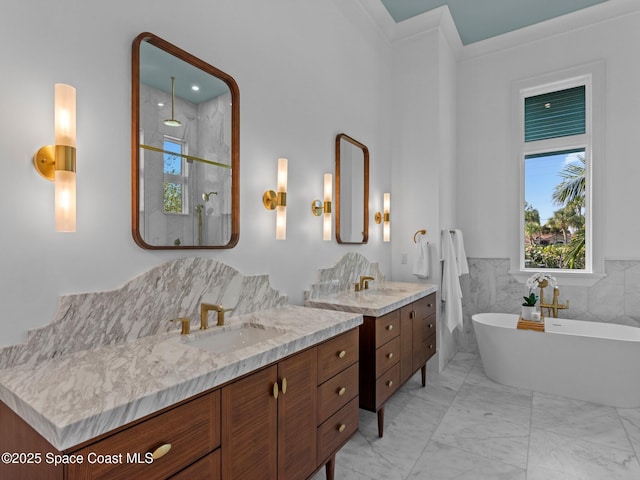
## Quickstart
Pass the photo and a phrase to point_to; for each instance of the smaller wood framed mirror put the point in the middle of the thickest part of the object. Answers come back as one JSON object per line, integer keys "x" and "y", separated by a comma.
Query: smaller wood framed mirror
{"x": 352, "y": 190}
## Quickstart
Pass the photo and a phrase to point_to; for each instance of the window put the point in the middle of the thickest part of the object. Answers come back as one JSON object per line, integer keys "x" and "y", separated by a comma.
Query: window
{"x": 558, "y": 136}
{"x": 175, "y": 176}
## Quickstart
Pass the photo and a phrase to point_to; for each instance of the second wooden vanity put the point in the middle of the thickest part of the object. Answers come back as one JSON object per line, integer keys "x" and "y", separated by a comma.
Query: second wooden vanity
{"x": 397, "y": 338}
{"x": 392, "y": 348}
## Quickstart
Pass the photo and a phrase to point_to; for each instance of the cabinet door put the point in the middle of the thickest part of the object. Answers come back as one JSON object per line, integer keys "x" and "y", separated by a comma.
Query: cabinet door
{"x": 406, "y": 342}
{"x": 249, "y": 427}
{"x": 297, "y": 424}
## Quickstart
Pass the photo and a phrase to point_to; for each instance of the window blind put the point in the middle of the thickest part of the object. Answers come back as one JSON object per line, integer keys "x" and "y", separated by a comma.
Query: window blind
{"x": 554, "y": 114}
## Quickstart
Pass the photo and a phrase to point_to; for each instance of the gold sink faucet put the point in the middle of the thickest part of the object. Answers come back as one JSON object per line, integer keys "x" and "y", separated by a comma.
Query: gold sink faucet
{"x": 205, "y": 308}
{"x": 364, "y": 282}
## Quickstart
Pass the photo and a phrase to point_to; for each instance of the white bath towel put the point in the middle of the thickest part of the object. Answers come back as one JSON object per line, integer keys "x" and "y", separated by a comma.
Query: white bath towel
{"x": 421, "y": 265}
{"x": 451, "y": 292}
{"x": 461, "y": 255}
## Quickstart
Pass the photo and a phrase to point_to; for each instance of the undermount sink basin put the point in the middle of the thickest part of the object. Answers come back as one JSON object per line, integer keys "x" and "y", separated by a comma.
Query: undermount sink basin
{"x": 233, "y": 338}
{"x": 389, "y": 291}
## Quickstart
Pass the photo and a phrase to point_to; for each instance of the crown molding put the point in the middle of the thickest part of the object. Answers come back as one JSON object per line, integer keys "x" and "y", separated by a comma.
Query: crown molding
{"x": 440, "y": 18}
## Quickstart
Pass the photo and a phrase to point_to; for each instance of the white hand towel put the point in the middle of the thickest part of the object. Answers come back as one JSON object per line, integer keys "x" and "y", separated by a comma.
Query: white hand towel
{"x": 461, "y": 255}
{"x": 451, "y": 292}
{"x": 421, "y": 266}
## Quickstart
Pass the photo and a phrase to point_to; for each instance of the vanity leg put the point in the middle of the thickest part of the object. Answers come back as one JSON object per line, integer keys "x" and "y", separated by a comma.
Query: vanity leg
{"x": 381, "y": 422}
{"x": 330, "y": 467}
{"x": 423, "y": 370}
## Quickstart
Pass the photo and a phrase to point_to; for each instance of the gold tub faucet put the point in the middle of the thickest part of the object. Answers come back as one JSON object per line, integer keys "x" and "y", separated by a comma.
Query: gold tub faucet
{"x": 205, "y": 308}
{"x": 554, "y": 306}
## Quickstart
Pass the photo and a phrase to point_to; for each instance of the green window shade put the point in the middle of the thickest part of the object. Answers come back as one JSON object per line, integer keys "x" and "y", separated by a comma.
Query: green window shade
{"x": 554, "y": 114}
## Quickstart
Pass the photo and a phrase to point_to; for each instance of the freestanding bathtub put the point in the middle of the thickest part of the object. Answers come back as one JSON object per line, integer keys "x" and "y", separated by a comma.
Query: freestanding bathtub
{"x": 590, "y": 361}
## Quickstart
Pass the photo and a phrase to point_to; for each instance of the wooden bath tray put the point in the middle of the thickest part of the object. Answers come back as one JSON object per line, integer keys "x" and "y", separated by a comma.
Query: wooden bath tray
{"x": 529, "y": 325}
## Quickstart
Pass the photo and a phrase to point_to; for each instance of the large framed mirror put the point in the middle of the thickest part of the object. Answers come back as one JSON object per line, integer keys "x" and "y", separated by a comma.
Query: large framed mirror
{"x": 352, "y": 190}
{"x": 185, "y": 149}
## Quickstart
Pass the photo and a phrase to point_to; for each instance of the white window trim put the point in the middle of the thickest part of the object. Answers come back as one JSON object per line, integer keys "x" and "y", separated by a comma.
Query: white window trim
{"x": 592, "y": 76}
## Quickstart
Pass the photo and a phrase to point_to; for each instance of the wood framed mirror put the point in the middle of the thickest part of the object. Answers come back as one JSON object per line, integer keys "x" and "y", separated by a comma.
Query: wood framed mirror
{"x": 185, "y": 138}
{"x": 352, "y": 190}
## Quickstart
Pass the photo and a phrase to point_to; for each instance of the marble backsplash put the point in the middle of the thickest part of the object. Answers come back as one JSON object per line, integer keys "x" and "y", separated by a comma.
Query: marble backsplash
{"x": 143, "y": 307}
{"x": 341, "y": 277}
{"x": 490, "y": 288}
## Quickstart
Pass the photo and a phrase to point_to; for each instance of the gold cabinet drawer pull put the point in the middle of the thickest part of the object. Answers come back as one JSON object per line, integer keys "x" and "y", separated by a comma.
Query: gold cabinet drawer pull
{"x": 389, "y": 327}
{"x": 390, "y": 383}
{"x": 390, "y": 355}
{"x": 341, "y": 427}
{"x": 430, "y": 347}
{"x": 429, "y": 305}
{"x": 431, "y": 325}
{"x": 275, "y": 390}
{"x": 412, "y": 315}
{"x": 342, "y": 391}
{"x": 342, "y": 353}
{"x": 161, "y": 451}
{"x": 284, "y": 385}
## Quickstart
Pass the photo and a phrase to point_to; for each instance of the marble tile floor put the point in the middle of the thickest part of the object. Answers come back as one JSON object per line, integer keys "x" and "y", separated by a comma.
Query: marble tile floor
{"x": 464, "y": 426}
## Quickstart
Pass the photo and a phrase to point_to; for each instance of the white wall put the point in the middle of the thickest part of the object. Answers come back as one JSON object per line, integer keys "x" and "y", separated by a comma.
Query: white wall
{"x": 306, "y": 71}
{"x": 423, "y": 161}
{"x": 487, "y": 187}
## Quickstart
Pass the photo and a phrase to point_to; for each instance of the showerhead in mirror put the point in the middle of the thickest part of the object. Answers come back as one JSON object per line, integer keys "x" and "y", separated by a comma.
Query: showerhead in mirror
{"x": 205, "y": 196}
{"x": 172, "y": 122}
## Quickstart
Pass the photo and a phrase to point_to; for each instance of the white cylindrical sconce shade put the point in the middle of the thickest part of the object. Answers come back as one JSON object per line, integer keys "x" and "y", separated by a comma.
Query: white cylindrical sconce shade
{"x": 281, "y": 209}
{"x": 326, "y": 222}
{"x": 65, "y": 115}
{"x": 386, "y": 229}
{"x": 65, "y": 200}
{"x": 282, "y": 175}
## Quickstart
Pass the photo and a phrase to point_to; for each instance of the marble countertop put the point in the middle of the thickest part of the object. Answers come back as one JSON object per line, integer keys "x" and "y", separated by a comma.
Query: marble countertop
{"x": 376, "y": 301}
{"x": 76, "y": 397}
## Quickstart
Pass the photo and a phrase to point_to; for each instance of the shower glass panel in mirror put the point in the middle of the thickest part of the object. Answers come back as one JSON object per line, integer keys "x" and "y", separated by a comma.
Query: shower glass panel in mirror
{"x": 185, "y": 141}
{"x": 352, "y": 190}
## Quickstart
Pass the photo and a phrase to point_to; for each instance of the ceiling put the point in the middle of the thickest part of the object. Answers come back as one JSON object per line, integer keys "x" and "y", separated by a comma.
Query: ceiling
{"x": 478, "y": 20}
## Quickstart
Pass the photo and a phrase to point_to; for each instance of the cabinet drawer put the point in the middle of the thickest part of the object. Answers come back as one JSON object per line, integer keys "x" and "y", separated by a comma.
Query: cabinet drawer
{"x": 387, "y": 356}
{"x": 192, "y": 430}
{"x": 336, "y": 354}
{"x": 431, "y": 346}
{"x": 425, "y": 306}
{"x": 387, "y": 327}
{"x": 337, "y": 430}
{"x": 336, "y": 392}
{"x": 423, "y": 350}
{"x": 387, "y": 384}
{"x": 207, "y": 468}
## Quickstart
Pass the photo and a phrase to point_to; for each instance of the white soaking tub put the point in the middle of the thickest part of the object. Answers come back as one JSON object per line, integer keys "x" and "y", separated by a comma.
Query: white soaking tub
{"x": 591, "y": 361}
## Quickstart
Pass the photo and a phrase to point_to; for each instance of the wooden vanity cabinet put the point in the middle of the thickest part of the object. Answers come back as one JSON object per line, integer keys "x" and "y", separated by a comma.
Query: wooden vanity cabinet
{"x": 392, "y": 348}
{"x": 287, "y": 420}
{"x": 283, "y": 421}
{"x": 268, "y": 428}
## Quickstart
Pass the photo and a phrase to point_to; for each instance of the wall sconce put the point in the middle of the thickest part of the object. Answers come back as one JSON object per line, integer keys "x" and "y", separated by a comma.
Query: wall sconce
{"x": 385, "y": 217}
{"x": 278, "y": 200}
{"x": 319, "y": 208}
{"x": 57, "y": 162}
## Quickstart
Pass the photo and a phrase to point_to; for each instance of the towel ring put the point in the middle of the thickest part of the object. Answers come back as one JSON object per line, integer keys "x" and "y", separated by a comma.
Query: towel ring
{"x": 419, "y": 232}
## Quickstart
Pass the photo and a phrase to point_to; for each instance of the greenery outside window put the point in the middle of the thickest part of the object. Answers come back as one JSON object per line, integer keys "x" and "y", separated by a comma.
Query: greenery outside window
{"x": 175, "y": 176}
